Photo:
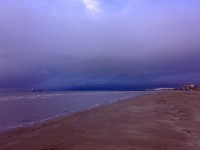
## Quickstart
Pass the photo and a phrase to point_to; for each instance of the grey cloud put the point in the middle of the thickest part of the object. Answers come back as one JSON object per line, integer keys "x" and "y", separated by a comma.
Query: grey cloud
{"x": 44, "y": 45}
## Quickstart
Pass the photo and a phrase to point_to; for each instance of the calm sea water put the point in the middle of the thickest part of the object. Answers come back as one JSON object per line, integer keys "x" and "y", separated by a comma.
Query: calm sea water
{"x": 22, "y": 108}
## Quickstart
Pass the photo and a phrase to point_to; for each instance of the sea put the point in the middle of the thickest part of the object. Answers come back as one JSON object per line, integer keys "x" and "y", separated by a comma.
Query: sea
{"x": 19, "y": 109}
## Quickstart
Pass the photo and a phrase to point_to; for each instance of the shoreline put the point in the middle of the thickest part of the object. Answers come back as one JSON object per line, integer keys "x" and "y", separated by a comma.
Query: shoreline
{"x": 164, "y": 120}
{"x": 65, "y": 115}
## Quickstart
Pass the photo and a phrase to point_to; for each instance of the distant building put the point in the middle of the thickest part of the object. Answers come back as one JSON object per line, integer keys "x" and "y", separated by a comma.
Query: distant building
{"x": 190, "y": 87}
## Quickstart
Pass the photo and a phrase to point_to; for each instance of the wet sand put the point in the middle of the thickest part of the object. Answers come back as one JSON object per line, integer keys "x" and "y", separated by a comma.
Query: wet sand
{"x": 160, "y": 121}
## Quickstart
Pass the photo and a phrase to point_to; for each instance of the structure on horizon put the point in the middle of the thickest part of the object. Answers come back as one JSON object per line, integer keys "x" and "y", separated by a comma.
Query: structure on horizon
{"x": 190, "y": 87}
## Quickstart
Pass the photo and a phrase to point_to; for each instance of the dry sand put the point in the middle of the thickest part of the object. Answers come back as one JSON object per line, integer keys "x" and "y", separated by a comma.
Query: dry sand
{"x": 161, "y": 121}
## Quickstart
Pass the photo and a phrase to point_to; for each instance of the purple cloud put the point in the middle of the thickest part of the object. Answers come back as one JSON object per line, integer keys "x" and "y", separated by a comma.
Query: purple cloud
{"x": 56, "y": 44}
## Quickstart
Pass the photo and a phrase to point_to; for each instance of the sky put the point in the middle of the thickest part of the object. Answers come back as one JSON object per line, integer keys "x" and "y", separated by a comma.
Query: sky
{"x": 98, "y": 44}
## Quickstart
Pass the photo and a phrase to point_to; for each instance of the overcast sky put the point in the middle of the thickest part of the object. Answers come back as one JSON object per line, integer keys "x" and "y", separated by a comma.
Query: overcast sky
{"x": 77, "y": 44}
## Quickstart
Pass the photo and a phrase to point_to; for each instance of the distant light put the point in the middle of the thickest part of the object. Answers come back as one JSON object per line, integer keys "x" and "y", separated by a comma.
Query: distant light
{"x": 92, "y": 5}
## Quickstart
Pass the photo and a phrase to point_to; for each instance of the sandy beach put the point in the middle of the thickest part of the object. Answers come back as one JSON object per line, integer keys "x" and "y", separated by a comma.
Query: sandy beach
{"x": 160, "y": 121}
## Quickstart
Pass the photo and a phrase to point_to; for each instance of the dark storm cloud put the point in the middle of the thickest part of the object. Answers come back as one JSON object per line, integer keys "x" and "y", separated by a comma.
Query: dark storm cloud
{"x": 70, "y": 44}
